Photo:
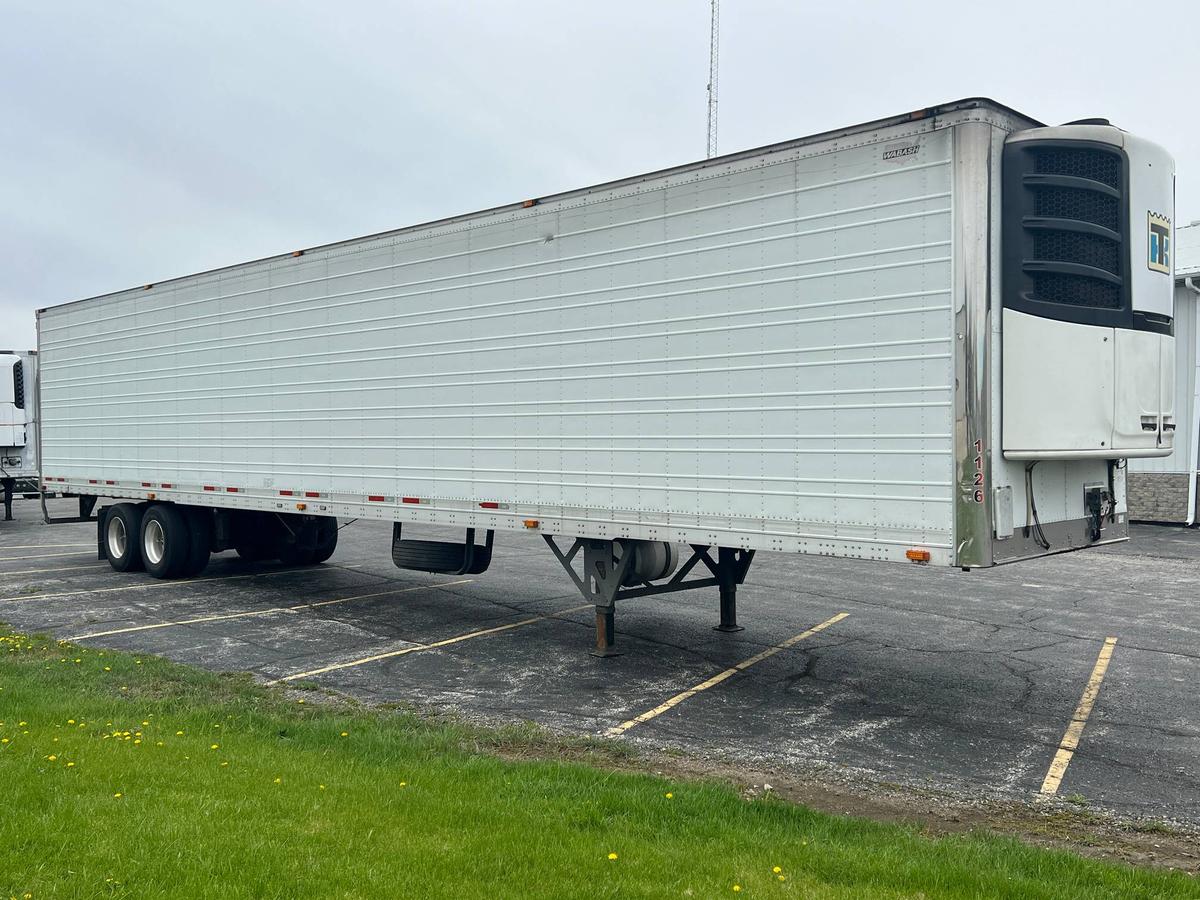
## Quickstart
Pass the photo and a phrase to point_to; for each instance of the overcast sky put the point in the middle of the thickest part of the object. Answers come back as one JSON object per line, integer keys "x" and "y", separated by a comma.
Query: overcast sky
{"x": 145, "y": 140}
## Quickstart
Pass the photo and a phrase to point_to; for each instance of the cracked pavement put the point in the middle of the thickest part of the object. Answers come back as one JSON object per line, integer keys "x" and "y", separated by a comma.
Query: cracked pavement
{"x": 960, "y": 682}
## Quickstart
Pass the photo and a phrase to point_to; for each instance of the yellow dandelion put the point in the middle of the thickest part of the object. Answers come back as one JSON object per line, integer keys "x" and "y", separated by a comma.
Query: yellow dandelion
{"x": 321, "y": 786}
{"x": 179, "y": 734}
{"x": 138, "y": 661}
{"x": 301, "y": 700}
{"x": 777, "y": 870}
{"x": 782, "y": 877}
{"x": 70, "y": 765}
{"x": 117, "y": 795}
{"x": 345, "y": 734}
{"x": 669, "y": 795}
{"x": 70, "y": 721}
{"x": 279, "y": 781}
{"x": 3, "y": 740}
{"x": 612, "y": 856}
{"x": 138, "y": 741}
{"x": 404, "y": 784}
{"x": 737, "y": 888}
{"x": 158, "y": 743}
{"x": 55, "y": 740}
{"x": 215, "y": 747}
{"x": 224, "y": 764}
{"x": 145, "y": 723}
{"x": 22, "y": 724}
{"x": 52, "y": 757}
{"x": 108, "y": 668}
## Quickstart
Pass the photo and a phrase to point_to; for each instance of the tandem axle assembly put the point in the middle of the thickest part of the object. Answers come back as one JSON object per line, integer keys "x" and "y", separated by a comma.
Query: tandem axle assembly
{"x": 625, "y": 569}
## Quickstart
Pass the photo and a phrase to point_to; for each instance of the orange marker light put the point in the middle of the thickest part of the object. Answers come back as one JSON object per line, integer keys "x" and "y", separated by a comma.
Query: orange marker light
{"x": 918, "y": 556}
{"x": 531, "y": 523}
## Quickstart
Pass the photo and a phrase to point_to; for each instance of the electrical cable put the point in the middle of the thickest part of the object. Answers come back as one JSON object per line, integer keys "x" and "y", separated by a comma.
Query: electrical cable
{"x": 1039, "y": 536}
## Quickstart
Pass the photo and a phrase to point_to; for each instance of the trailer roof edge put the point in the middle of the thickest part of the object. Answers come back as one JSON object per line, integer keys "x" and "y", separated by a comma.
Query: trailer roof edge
{"x": 928, "y": 112}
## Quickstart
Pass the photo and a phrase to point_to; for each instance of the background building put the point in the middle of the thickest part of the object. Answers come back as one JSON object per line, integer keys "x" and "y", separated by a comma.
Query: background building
{"x": 1164, "y": 490}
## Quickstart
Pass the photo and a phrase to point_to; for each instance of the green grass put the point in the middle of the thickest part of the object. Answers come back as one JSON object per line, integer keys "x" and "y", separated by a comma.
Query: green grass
{"x": 187, "y": 784}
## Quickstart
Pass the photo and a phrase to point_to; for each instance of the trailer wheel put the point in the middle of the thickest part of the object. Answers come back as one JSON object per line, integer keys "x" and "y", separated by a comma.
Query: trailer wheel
{"x": 122, "y": 537}
{"x": 165, "y": 540}
{"x": 200, "y": 528}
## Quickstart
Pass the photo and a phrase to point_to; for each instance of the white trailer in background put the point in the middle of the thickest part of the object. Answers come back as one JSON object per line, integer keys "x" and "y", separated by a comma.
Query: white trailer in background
{"x": 934, "y": 337}
{"x": 18, "y": 426}
{"x": 1164, "y": 489}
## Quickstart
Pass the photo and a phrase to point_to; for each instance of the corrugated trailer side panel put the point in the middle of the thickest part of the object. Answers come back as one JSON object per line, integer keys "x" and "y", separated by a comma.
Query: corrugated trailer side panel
{"x": 759, "y": 349}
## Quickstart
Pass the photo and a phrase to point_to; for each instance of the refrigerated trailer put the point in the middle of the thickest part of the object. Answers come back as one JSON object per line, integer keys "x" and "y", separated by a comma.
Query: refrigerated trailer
{"x": 18, "y": 426}
{"x": 934, "y": 338}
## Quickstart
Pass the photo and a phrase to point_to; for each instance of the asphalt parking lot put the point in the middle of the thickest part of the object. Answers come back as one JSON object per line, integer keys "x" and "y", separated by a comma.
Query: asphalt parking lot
{"x": 969, "y": 683}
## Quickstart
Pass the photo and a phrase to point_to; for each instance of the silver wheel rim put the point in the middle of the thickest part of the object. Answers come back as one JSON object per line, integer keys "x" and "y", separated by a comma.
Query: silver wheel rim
{"x": 118, "y": 538}
{"x": 154, "y": 542}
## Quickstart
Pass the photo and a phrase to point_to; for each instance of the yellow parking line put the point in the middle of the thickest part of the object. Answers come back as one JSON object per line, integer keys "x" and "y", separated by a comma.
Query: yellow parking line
{"x": 721, "y": 676}
{"x": 48, "y": 546}
{"x": 1070, "y": 741}
{"x": 264, "y": 612}
{"x": 59, "y": 569}
{"x": 151, "y": 585}
{"x": 4, "y": 559}
{"x": 432, "y": 646}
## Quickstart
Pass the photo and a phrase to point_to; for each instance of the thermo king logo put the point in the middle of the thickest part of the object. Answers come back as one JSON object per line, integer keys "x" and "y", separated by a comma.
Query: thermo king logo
{"x": 1160, "y": 243}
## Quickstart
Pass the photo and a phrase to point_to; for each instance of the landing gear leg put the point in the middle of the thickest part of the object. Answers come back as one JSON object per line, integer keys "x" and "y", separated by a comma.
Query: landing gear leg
{"x": 730, "y": 571}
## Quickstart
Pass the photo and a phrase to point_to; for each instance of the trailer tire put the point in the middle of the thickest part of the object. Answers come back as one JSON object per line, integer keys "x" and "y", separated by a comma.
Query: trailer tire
{"x": 200, "y": 527}
{"x": 327, "y": 538}
{"x": 291, "y": 555}
{"x": 165, "y": 540}
{"x": 122, "y": 536}
{"x": 253, "y": 551}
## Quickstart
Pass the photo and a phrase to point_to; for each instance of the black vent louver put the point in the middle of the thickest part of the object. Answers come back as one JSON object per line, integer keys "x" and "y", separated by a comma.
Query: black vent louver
{"x": 1065, "y": 231}
{"x": 19, "y": 385}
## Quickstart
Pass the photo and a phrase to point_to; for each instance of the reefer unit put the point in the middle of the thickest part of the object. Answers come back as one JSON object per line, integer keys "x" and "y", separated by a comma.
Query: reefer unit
{"x": 18, "y": 426}
{"x": 932, "y": 337}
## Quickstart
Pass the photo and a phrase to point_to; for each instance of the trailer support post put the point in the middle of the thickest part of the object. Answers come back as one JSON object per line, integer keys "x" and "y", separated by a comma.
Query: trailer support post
{"x": 727, "y": 583}
{"x": 606, "y": 635}
{"x": 8, "y": 484}
{"x": 730, "y": 571}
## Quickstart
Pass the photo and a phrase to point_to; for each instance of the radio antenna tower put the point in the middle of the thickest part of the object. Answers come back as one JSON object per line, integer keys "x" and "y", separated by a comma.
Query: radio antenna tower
{"x": 714, "y": 41}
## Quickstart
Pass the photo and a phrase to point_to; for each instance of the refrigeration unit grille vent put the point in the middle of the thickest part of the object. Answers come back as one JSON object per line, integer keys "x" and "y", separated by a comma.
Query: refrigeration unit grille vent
{"x": 1066, "y": 247}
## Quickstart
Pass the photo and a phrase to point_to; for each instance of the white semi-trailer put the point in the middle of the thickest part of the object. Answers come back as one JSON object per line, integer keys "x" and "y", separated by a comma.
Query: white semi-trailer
{"x": 18, "y": 426}
{"x": 934, "y": 337}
